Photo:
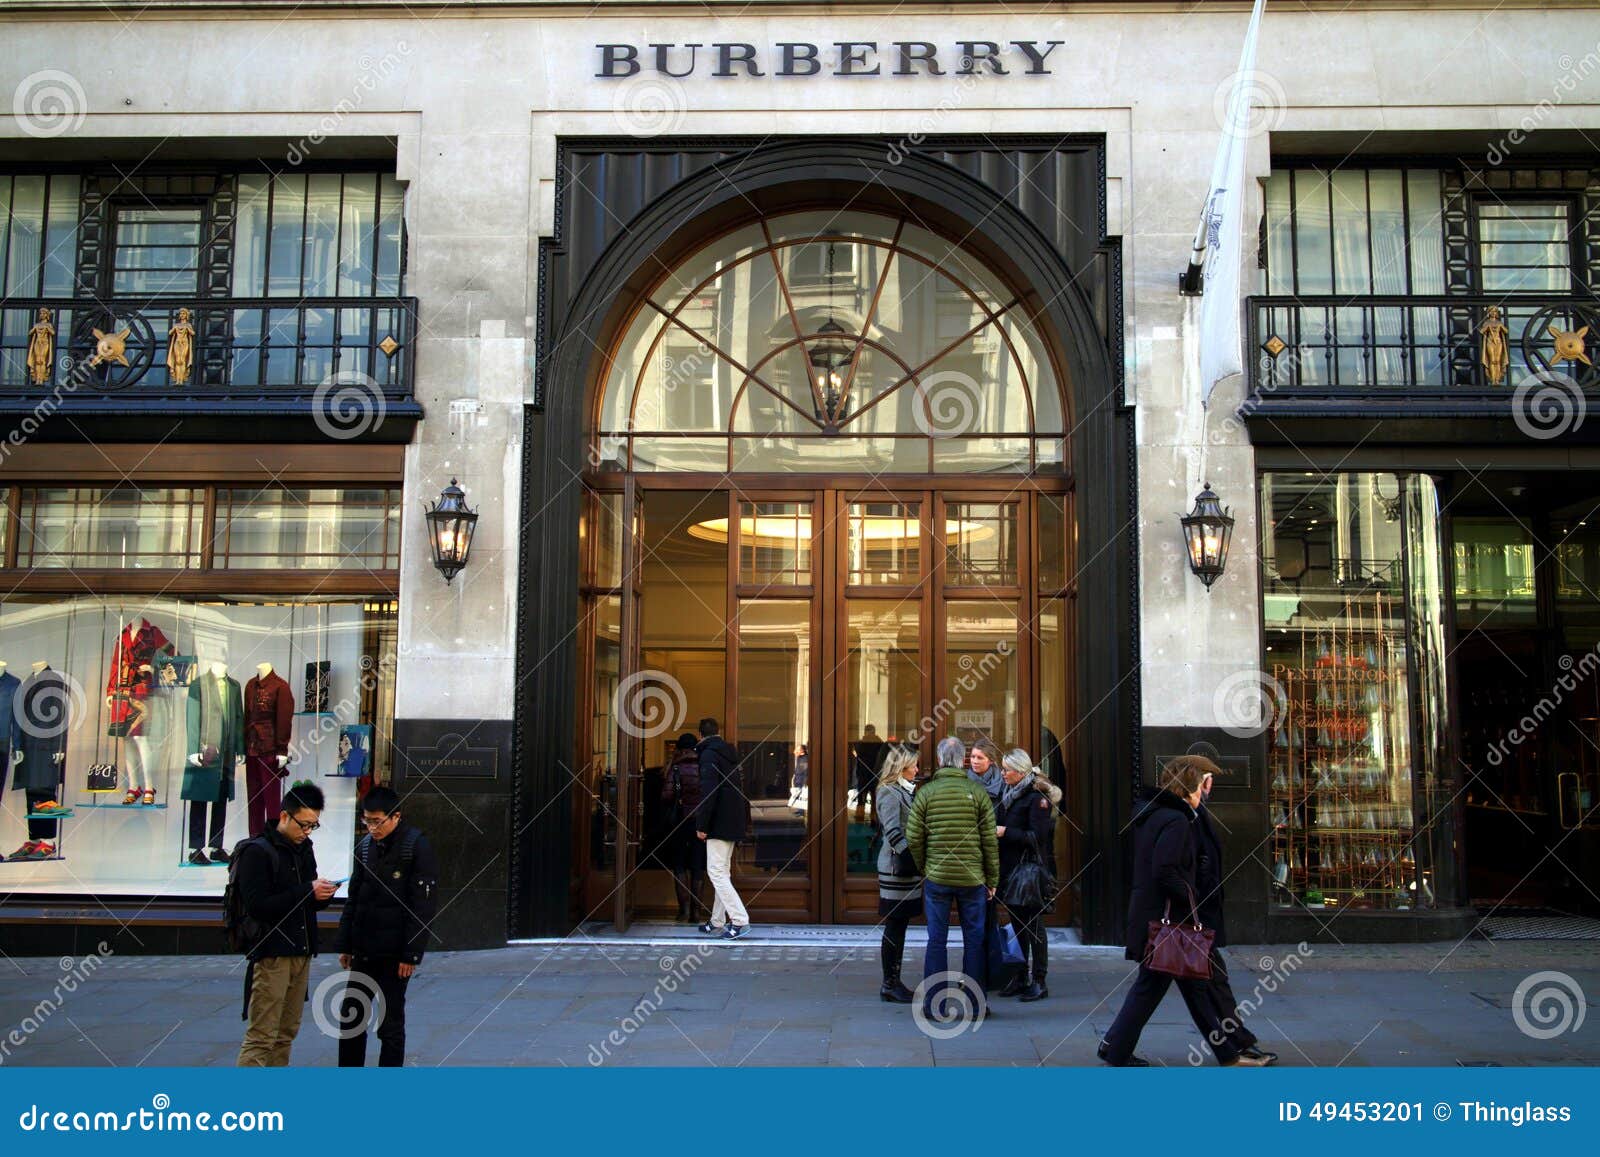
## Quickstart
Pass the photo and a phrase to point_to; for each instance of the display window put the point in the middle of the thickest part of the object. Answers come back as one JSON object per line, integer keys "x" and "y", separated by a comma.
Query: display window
{"x": 220, "y": 649}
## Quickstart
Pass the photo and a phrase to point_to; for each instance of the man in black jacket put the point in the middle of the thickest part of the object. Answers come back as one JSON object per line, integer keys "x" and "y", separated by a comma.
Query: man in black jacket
{"x": 383, "y": 932}
{"x": 276, "y": 875}
{"x": 721, "y": 820}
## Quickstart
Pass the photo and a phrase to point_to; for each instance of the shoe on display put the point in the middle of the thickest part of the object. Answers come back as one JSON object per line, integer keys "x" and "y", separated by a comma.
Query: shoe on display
{"x": 22, "y": 853}
{"x": 198, "y": 859}
{"x": 149, "y": 795}
{"x": 736, "y": 932}
{"x": 48, "y": 807}
{"x": 43, "y": 850}
{"x": 131, "y": 797}
{"x": 216, "y": 855}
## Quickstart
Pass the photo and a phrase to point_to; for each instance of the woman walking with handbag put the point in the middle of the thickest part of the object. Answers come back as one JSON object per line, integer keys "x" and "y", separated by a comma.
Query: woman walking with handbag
{"x": 899, "y": 882}
{"x": 1164, "y": 931}
{"x": 1026, "y": 825}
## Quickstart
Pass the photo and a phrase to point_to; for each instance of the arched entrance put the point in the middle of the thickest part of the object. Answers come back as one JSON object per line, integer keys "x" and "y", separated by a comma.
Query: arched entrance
{"x": 827, "y": 501}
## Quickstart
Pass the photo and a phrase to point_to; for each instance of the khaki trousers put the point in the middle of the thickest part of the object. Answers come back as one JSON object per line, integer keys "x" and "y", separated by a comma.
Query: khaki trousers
{"x": 277, "y": 998}
{"x": 719, "y": 867}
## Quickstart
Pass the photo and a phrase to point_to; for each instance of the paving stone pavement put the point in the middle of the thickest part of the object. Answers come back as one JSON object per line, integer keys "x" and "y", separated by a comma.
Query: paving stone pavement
{"x": 687, "y": 1003}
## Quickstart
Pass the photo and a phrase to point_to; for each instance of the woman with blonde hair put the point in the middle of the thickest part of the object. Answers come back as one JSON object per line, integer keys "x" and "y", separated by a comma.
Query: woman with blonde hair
{"x": 899, "y": 882}
{"x": 1163, "y": 879}
{"x": 1025, "y": 825}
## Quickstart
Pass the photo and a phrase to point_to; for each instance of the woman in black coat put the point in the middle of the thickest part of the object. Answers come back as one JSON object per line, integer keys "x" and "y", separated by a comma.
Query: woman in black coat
{"x": 1025, "y": 819}
{"x": 1164, "y": 880}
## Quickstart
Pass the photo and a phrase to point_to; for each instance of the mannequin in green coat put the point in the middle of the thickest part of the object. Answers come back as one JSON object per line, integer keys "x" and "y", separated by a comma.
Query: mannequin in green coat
{"x": 216, "y": 745}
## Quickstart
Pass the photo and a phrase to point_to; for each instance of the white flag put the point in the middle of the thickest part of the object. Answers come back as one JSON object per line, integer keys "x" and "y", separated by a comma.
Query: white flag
{"x": 1220, "y": 236}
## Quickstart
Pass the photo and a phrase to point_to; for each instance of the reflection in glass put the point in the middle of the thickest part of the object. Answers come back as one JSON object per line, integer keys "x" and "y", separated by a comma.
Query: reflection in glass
{"x": 885, "y": 543}
{"x": 774, "y": 542}
{"x": 274, "y": 528}
{"x": 883, "y": 693}
{"x": 980, "y": 670}
{"x": 1493, "y": 572}
{"x": 774, "y": 738}
{"x": 121, "y": 526}
{"x": 981, "y": 544}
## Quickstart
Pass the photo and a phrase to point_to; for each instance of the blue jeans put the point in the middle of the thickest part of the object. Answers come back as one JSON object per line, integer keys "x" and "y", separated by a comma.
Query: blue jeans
{"x": 936, "y": 900}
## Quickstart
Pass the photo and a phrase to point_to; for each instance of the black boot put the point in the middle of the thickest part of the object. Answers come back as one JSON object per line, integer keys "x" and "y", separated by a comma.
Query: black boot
{"x": 892, "y": 991}
{"x": 1017, "y": 985}
{"x": 1035, "y": 990}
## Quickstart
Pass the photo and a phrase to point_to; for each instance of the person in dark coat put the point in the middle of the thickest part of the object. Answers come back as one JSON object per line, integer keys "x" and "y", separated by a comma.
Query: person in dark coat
{"x": 383, "y": 931}
{"x": 1025, "y": 819}
{"x": 685, "y": 855}
{"x": 721, "y": 821}
{"x": 1208, "y": 880}
{"x": 899, "y": 882}
{"x": 276, "y": 875}
{"x": 1164, "y": 882}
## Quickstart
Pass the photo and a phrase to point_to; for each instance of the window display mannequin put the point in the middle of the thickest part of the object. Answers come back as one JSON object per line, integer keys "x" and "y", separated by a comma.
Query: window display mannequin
{"x": 215, "y": 732}
{"x": 8, "y": 693}
{"x": 128, "y": 687}
{"x": 38, "y": 743}
{"x": 268, "y": 716}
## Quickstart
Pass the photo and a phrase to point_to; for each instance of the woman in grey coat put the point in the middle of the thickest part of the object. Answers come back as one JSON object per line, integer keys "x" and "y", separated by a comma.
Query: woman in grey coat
{"x": 899, "y": 885}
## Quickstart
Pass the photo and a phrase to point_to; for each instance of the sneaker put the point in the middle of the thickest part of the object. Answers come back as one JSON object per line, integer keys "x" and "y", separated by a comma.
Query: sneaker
{"x": 43, "y": 850}
{"x": 25, "y": 852}
{"x": 711, "y": 929}
{"x": 736, "y": 932}
{"x": 1133, "y": 1061}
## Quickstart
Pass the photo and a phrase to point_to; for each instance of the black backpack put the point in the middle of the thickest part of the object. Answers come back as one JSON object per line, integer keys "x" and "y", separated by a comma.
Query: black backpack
{"x": 242, "y": 930}
{"x": 408, "y": 849}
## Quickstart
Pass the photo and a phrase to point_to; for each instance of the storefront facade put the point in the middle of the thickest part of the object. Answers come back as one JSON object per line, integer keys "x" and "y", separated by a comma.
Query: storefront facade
{"x": 824, "y": 374}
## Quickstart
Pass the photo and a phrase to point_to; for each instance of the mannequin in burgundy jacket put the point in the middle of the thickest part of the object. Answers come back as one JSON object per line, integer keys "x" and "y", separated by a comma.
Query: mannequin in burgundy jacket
{"x": 268, "y": 716}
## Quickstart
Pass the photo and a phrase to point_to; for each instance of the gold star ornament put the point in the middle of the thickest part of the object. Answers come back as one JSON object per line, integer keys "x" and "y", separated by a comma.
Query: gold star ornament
{"x": 1569, "y": 346}
{"x": 110, "y": 347}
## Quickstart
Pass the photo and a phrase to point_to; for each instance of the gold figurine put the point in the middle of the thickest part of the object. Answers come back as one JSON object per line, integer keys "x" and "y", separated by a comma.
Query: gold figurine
{"x": 41, "y": 348}
{"x": 180, "y": 349}
{"x": 1496, "y": 357}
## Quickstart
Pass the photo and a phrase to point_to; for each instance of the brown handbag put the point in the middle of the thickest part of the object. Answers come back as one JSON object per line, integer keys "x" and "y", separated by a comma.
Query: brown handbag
{"x": 1181, "y": 950}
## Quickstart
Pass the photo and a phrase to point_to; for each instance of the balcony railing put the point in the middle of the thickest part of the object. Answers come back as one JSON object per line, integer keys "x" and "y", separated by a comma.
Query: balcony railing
{"x": 196, "y": 352}
{"x": 1395, "y": 348}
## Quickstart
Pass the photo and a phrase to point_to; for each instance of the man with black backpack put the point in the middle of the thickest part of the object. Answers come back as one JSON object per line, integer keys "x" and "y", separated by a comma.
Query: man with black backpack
{"x": 270, "y": 913}
{"x": 394, "y": 892}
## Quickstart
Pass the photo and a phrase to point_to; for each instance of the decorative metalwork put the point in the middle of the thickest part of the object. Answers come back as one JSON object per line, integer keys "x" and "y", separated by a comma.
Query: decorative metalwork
{"x": 41, "y": 348}
{"x": 1496, "y": 355}
{"x": 1554, "y": 341}
{"x": 1274, "y": 346}
{"x": 180, "y": 349}
{"x": 388, "y": 345}
{"x": 1569, "y": 345}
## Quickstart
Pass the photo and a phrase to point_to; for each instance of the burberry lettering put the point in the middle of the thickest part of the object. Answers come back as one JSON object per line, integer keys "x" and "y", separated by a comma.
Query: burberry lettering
{"x": 841, "y": 58}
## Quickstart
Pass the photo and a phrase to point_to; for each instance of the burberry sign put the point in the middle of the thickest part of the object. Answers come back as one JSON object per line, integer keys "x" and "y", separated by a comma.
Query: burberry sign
{"x": 838, "y": 58}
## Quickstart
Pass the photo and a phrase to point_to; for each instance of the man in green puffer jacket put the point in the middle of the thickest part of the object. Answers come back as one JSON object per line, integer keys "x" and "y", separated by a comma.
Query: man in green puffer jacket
{"x": 952, "y": 838}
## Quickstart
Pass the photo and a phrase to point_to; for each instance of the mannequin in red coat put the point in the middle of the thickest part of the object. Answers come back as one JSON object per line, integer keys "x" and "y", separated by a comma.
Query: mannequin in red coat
{"x": 268, "y": 717}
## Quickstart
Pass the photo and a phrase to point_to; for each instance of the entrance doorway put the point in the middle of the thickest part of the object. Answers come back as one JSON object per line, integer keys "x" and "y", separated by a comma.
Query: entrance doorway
{"x": 828, "y": 506}
{"x": 819, "y": 628}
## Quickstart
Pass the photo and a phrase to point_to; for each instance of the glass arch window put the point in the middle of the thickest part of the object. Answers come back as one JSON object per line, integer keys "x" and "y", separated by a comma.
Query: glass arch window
{"x": 825, "y": 341}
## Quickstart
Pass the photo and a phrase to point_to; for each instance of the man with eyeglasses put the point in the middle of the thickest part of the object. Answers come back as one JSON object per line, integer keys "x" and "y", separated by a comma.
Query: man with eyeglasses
{"x": 383, "y": 930}
{"x": 276, "y": 876}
